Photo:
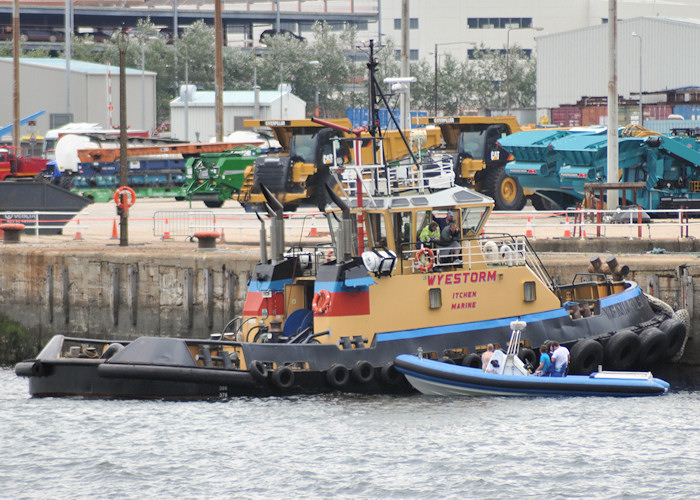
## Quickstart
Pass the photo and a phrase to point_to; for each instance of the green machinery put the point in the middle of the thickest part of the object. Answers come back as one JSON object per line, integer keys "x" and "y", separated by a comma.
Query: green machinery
{"x": 215, "y": 177}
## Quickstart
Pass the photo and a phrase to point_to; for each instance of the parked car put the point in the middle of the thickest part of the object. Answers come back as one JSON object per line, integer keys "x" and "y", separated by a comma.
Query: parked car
{"x": 41, "y": 35}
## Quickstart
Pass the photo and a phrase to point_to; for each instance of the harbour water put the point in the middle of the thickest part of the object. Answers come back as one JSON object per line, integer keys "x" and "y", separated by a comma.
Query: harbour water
{"x": 344, "y": 446}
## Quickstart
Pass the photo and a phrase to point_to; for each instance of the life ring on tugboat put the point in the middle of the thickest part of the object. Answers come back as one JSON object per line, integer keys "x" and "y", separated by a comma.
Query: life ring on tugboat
{"x": 321, "y": 302}
{"x": 118, "y": 197}
{"x": 422, "y": 265}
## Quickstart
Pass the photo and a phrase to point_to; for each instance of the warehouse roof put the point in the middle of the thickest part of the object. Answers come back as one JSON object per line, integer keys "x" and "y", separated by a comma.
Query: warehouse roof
{"x": 75, "y": 66}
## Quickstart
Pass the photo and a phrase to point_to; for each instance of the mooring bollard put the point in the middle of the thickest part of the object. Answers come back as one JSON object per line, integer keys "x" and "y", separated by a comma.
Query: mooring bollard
{"x": 11, "y": 232}
{"x": 207, "y": 239}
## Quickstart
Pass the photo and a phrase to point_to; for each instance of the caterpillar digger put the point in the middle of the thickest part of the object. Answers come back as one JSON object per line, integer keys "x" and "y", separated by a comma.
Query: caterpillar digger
{"x": 479, "y": 161}
{"x": 297, "y": 173}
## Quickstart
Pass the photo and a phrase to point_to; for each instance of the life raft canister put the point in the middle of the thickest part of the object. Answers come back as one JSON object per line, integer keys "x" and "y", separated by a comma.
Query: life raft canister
{"x": 321, "y": 302}
{"x": 421, "y": 261}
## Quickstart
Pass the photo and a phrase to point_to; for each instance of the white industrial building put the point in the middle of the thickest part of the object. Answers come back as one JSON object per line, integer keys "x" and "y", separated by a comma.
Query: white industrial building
{"x": 199, "y": 124}
{"x": 456, "y": 26}
{"x": 574, "y": 64}
{"x": 43, "y": 86}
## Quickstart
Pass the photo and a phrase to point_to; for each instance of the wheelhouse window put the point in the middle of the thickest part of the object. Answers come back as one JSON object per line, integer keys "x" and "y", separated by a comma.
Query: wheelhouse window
{"x": 403, "y": 230}
{"x": 472, "y": 220}
{"x": 377, "y": 230}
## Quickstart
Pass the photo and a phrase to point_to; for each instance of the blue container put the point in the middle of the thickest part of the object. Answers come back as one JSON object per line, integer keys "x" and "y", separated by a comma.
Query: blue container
{"x": 687, "y": 111}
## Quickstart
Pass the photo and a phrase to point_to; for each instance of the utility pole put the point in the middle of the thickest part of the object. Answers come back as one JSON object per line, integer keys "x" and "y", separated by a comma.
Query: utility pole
{"x": 612, "y": 170}
{"x": 122, "y": 43}
{"x": 405, "y": 97}
{"x": 219, "y": 71}
{"x": 15, "y": 59}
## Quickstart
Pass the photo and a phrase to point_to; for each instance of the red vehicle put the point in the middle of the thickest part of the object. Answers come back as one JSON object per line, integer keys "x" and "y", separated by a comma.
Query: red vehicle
{"x": 13, "y": 163}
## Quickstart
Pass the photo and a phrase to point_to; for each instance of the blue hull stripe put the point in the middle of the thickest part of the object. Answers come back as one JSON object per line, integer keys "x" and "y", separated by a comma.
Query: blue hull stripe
{"x": 628, "y": 294}
{"x": 338, "y": 286}
{"x": 469, "y": 327}
{"x": 264, "y": 286}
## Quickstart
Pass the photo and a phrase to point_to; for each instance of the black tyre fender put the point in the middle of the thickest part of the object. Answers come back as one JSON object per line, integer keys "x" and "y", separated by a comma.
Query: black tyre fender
{"x": 338, "y": 376}
{"x": 528, "y": 356}
{"x": 652, "y": 345}
{"x": 362, "y": 372}
{"x": 389, "y": 374}
{"x": 258, "y": 370}
{"x": 472, "y": 360}
{"x": 282, "y": 377}
{"x": 621, "y": 350}
{"x": 675, "y": 336}
{"x": 586, "y": 356}
{"x": 447, "y": 359}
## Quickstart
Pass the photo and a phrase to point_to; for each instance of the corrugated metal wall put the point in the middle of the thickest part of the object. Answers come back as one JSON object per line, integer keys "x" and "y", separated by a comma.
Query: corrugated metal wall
{"x": 573, "y": 65}
{"x": 44, "y": 87}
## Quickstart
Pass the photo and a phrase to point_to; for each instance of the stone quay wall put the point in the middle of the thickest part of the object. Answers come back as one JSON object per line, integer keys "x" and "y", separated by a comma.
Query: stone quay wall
{"x": 123, "y": 293}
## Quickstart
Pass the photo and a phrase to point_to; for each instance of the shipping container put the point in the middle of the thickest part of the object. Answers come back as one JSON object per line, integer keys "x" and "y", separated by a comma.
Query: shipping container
{"x": 566, "y": 116}
{"x": 657, "y": 111}
{"x": 594, "y": 115}
{"x": 360, "y": 117}
{"x": 687, "y": 111}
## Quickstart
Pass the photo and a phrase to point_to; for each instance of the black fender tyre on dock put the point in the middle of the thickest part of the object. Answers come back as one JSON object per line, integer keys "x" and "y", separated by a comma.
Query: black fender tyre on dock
{"x": 675, "y": 337}
{"x": 621, "y": 350}
{"x": 473, "y": 360}
{"x": 282, "y": 377}
{"x": 653, "y": 344}
{"x": 586, "y": 356}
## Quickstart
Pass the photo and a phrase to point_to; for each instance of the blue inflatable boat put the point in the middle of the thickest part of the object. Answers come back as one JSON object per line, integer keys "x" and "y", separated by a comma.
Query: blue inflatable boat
{"x": 443, "y": 379}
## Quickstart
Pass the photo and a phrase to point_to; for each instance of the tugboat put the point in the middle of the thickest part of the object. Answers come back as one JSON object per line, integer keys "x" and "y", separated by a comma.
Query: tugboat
{"x": 335, "y": 317}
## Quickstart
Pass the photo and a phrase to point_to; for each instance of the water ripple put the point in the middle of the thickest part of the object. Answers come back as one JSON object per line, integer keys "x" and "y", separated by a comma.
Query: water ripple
{"x": 335, "y": 446}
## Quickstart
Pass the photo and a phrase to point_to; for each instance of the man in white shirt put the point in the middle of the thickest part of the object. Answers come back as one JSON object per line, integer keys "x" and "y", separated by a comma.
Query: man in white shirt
{"x": 560, "y": 358}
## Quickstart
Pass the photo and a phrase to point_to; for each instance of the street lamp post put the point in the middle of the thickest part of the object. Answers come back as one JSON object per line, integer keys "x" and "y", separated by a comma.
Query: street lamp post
{"x": 641, "y": 115}
{"x": 508, "y": 62}
{"x": 436, "y": 68}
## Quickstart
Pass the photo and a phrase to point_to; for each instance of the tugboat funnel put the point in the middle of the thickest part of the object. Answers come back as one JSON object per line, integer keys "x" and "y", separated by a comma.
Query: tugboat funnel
{"x": 275, "y": 209}
{"x": 344, "y": 239}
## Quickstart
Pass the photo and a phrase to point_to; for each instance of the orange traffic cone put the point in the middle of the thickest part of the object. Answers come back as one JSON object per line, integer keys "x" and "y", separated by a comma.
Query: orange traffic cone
{"x": 223, "y": 238}
{"x": 78, "y": 233}
{"x": 567, "y": 228}
{"x": 115, "y": 233}
{"x": 529, "y": 233}
{"x": 166, "y": 231}
{"x": 314, "y": 231}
